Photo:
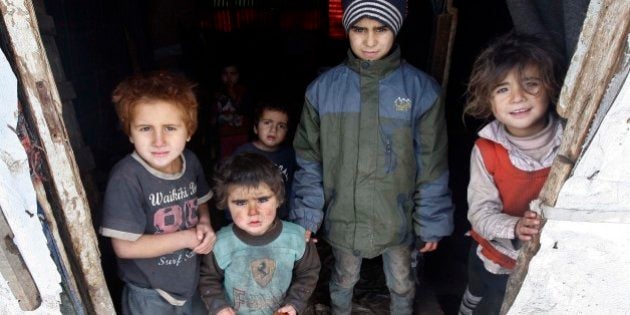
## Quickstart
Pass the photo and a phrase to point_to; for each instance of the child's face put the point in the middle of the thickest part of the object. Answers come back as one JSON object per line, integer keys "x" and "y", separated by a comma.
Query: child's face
{"x": 252, "y": 209}
{"x": 229, "y": 75}
{"x": 271, "y": 130}
{"x": 159, "y": 134}
{"x": 370, "y": 39}
{"x": 520, "y": 101}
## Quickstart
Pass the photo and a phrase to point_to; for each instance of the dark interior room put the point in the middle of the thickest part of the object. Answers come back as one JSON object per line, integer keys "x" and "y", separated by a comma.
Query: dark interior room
{"x": 280, "y": 46}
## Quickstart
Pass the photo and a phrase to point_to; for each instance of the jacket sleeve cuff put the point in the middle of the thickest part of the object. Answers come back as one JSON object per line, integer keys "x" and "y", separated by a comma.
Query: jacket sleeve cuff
{"x": 310, "y": 220}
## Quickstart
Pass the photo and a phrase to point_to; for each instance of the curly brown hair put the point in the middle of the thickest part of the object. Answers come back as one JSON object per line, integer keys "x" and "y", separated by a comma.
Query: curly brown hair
{"x": 152, "y": 86}
{"x": 249, "y": 170}
{"x": 512, "y": 51}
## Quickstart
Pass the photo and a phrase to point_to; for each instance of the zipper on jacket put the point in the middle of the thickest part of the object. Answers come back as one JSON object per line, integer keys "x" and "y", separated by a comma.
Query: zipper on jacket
{"x": 390, "y": 160}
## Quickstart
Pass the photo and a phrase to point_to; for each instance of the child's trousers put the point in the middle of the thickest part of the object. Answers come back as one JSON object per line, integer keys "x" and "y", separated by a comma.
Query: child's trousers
{"x": 397, "y": 268}
{"x": 485, "y": 291}
{"x": 136, "y": 300}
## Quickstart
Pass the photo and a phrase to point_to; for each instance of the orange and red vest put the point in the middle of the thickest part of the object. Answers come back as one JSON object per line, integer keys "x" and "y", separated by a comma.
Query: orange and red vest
{"x": 517, "y": 188}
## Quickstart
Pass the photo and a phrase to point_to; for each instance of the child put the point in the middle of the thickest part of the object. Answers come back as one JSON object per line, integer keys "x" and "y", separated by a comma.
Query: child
{"x": 517, "y": 81}
{"x": 231, "y": 103}
{"x": 260, "y": 264}
{"x": 372, "y": 153}
{"x": 155, "y": 209}
{"x": 271, "y": 127}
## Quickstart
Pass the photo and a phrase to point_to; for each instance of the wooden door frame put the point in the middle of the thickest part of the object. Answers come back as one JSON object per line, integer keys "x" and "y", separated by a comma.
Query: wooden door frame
{"x": 63, "y": 196}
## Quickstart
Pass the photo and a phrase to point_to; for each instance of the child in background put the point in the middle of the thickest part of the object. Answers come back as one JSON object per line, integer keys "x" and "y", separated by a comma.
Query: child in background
{"x": 516, "y": 80}
{"x": 230, "y": 108}
{"x": 260, "y": 264}
{"x": 271, "y": 127}
{"x": 155, "y": 209}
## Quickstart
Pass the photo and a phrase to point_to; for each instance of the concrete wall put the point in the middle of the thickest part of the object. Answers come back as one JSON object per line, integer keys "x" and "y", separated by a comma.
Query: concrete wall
{"x": 582, "y": 265}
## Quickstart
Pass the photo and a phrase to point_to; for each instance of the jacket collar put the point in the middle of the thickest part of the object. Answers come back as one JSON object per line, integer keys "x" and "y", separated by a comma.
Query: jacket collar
{"x": 376, "y": 68}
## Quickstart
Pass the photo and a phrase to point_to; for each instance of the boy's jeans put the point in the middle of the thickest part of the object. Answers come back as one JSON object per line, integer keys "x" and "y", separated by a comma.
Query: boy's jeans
{"x": 397, "y": 268}
{"x": 136, "y": 300}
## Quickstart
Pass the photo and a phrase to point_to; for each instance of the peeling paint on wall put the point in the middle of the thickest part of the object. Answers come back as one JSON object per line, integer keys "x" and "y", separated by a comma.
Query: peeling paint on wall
{"x": 17, "y": 199}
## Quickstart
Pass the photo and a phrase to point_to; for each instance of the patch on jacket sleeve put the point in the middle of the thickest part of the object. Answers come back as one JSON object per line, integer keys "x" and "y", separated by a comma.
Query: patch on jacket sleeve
{"x": 402, "y": 104}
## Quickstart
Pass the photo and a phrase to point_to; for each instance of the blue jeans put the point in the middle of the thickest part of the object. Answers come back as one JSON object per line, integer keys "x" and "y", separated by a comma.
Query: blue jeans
{"x": 136, "y": 300}
{"x": 397, "y": 268}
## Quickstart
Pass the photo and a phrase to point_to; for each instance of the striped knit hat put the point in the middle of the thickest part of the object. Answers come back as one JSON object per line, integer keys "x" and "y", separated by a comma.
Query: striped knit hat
{"x": 389, "y": 12}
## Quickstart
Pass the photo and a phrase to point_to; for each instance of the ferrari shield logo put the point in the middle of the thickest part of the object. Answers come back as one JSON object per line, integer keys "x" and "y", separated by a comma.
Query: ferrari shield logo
{"x": 262, "y": 270}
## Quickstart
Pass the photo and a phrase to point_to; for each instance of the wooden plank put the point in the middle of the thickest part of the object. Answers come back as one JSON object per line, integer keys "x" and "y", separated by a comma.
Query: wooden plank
{"x": 83, "y": 153}
{"x": 48, "y": 211}
{"x": 598, "y": 57}
{"x": 15, "y": 271}
{"x": 442, "y": 47}
{"x": 19, "y": 207}
{"x": 594, "y": 61}
{"x": 66, "y": 190}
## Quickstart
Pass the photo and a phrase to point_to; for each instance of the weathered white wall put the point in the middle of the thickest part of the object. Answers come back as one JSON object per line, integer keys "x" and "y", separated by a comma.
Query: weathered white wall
{"x": 601, "y": 180}
{"x": 584, "y": 267}
{"x": 18, "y": 196}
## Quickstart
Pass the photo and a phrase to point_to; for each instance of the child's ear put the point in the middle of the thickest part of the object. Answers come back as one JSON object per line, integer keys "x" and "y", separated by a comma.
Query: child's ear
{"x": 130, "y": 139}
{"x": 255, "y": 130}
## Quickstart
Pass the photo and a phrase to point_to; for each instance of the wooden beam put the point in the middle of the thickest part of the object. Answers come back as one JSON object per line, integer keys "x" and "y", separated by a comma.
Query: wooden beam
{"x": 442, "y": 47}
{"x": 603, "y": 34}
{"x": 597, "y": 59}
{"x": 43, "y": 105}
{"x": 40, "y": 192}
{"x": 15, "y": 271}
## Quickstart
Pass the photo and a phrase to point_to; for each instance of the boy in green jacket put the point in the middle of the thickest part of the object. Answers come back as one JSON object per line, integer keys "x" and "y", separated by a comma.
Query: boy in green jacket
{"x": 372, "y": 153}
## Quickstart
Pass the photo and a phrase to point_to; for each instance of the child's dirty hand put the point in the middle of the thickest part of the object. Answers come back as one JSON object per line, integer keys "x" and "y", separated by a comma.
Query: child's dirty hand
{"x": 428, "y": 247}
{"x": 307, "y": 236}
{"x": 206, "y": 238}
{"x": 226, "y": 311}
{"x": 527, "y": 226}
{"x": 286, "y": 310}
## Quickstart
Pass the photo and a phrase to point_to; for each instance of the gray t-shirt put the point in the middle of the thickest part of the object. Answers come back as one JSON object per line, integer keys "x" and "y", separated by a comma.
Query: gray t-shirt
{"x": 142, "y": 200}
